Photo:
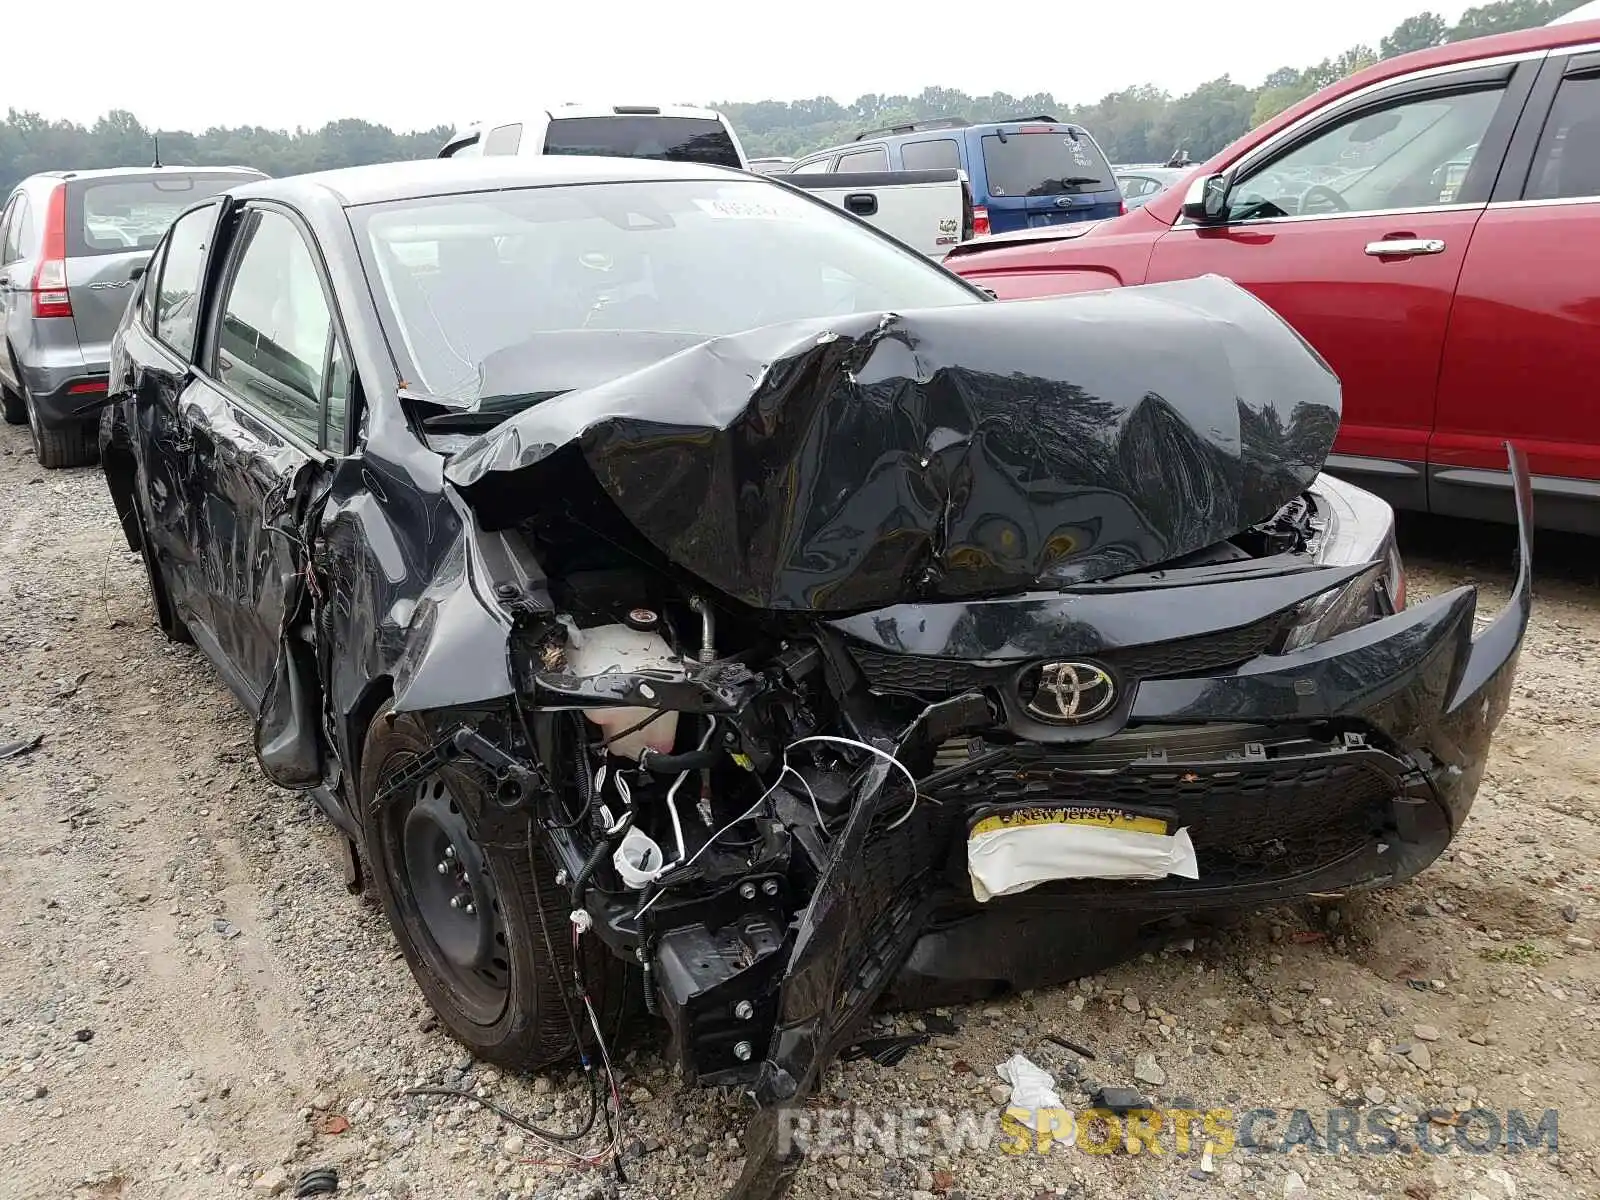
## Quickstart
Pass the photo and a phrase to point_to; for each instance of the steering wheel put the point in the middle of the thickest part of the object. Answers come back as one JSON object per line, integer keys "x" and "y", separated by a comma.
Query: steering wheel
{"x": 1321, "y": 191}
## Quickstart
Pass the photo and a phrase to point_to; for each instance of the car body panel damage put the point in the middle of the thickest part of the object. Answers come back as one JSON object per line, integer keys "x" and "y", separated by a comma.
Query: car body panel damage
{"x": 706, "y": 671}
{"x": 845, "y": 464}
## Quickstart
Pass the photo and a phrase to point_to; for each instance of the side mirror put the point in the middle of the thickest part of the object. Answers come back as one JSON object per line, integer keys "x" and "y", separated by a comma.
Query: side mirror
{"x": 1206, "y": 202}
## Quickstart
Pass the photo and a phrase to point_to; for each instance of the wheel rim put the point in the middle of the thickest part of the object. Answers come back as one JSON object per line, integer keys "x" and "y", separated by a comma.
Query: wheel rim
{"x": 447, "y": 883}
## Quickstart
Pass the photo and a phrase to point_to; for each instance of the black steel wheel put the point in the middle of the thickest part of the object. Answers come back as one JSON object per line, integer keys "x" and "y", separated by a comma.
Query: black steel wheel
{"x": 450, "y": 883}
{"x": 471, "y": 918}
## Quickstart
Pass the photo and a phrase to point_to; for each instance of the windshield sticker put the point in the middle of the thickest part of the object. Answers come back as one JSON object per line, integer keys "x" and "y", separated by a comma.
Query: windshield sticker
{"x": 745, "y": 210}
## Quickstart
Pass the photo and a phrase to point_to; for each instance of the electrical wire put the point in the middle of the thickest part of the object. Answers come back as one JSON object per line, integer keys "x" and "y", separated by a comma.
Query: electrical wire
{"x": 709, "y": 842}
{"x": 883, "y": 754}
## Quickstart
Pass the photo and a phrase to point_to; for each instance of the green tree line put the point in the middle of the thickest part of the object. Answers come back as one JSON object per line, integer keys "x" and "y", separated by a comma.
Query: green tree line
{"x": 1141, "y": 123}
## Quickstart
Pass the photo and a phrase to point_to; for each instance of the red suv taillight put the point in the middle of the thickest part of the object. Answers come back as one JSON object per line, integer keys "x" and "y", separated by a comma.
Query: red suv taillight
{"x": 980, "y": 221}
{"x": 50, "y": 297}
{"x": 1122, "y": 208}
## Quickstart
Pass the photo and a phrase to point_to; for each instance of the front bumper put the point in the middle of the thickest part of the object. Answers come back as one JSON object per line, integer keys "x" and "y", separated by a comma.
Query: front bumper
{"x": 1403, "y": 710}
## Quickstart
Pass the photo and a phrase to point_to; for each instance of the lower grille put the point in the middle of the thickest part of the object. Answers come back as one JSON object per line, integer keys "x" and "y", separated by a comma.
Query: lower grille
{"x": 1251, "y": 820}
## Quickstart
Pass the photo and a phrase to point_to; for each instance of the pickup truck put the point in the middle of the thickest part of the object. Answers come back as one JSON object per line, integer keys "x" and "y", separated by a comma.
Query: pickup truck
{"x": 930, "y": 211}
{"x": 1431, "y": 225}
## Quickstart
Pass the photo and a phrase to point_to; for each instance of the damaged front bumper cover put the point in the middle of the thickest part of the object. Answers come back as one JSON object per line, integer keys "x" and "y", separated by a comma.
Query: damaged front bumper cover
{"x": 1428, "y": 690}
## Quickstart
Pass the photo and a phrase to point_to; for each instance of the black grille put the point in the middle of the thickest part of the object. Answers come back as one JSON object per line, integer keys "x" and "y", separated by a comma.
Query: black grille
{"x": 924, "y": 675}
{"x": 1251, "y": 821}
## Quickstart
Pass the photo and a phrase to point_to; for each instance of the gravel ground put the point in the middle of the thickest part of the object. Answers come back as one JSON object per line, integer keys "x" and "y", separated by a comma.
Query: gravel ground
{"x": 193, "y": 1005}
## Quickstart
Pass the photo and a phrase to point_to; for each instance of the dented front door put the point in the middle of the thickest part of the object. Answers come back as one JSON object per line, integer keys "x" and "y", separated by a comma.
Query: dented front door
{"x": 255, "y": 412}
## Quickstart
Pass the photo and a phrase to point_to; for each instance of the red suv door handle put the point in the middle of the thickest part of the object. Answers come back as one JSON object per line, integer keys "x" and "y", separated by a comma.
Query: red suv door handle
{"x": 1405, "y": 247}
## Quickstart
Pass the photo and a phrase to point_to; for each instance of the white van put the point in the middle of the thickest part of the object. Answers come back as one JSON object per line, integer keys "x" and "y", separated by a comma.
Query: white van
{"x": 696, "y": 135}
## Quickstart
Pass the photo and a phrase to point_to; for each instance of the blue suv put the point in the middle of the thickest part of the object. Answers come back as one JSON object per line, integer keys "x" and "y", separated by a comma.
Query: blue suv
{"x": 1025, "y": 173}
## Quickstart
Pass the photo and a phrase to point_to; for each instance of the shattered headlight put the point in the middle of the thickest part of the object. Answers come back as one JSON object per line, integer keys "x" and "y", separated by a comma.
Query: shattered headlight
{"x": 1354, "y": 527}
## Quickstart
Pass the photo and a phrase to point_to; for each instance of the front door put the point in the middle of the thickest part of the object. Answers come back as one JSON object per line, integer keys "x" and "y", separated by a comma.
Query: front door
{"x": 1523, "y": 354}
{"x": 257, "y": 412}
{"x": 1354, "y": 229}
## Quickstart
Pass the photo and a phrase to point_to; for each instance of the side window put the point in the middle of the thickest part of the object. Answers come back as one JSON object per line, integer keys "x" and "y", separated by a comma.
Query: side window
{"x": 817, "y": 166}
{"x": 935, "y": 154}
{"x": 18, "y": 232}
{"x": 503, "y": 140}
{"x": 178, "y": 293}
{"x": 149, "y": 283}
{"x": 1567, "y": 163}
{"x": 273, "y": 346}
{"x": 1413, "y": 153}
{"x": 875, "y": 159}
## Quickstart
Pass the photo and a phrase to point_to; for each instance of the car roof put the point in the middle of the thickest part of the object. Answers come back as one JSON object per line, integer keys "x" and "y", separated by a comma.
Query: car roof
{"x": 562, "y": 112}
{"x": 414, "y": 180}
{"x": 122, "y": 172}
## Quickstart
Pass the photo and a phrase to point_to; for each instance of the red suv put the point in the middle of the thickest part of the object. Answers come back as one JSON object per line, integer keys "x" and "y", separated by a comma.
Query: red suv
{"x": 1432, "y": 226}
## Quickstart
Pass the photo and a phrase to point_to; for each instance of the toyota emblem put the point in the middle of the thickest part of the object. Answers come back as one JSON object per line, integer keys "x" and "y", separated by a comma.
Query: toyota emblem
{"x": 1070, "y": 693}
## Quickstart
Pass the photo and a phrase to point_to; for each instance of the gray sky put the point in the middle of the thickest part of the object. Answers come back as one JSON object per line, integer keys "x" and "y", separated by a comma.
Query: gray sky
{"x": 411, "y": 65}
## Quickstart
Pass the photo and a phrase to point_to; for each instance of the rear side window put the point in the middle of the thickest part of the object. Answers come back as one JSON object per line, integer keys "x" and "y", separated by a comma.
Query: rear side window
{"x": 876, "y": 159}
{"x": 120, "y": 216}
{"x": 503, "y": 140}
{"x": 678, "y": 139}
{"x": 18, "y": 230}
{"x": 1052, "y": 163}
{"x": 276, "y": 325}
{"x": 178, "y": 295}
{"x": 939, "y": 154}
{"x": 1567, "y": 164}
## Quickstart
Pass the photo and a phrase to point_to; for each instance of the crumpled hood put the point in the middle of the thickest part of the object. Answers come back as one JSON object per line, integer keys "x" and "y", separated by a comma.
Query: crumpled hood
{"x": 847, "y": 463}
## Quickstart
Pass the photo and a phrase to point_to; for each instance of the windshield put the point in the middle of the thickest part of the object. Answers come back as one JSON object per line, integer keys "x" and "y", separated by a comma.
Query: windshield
{"x": 464, "y": 277}
{"x": 132, "y": 214}
{"x": 678, "y": 139}
{"x": 1046, "y": 163}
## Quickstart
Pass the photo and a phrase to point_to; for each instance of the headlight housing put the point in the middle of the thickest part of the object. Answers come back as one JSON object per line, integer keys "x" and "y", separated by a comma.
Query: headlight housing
{"x": 1354, "y": 526}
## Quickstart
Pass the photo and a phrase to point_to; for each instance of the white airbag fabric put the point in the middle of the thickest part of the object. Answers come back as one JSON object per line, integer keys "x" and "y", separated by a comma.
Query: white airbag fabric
{"x": 1003, "y": 862}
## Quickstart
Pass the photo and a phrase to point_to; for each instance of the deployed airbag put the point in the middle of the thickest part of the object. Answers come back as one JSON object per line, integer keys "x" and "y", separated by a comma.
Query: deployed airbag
{"x": 848, "y": 463}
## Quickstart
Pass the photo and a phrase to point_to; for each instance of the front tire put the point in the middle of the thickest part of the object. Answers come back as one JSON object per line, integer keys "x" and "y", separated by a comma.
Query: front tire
{"x": 468, "y": 916}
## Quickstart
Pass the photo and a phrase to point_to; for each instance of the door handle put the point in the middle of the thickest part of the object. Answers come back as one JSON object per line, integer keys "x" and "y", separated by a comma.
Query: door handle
{"x": 1405, "y": 247}
{"x": 863, "y": 204}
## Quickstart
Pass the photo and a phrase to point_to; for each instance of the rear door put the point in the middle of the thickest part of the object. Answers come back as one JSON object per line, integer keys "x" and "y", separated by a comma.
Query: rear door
{"x": 12, "y": 283}
{"x": 1523, "y": 354}
{"x": 264, "y": 412}
{"x": 159, "y": 343}
{"x": 113, "y": 223}
{"x": 1037, "y": 175}
{"x": 1354, "y": 226}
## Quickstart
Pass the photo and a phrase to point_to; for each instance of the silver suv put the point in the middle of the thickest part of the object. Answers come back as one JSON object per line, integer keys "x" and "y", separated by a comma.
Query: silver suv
{"x": 71, "y": 245}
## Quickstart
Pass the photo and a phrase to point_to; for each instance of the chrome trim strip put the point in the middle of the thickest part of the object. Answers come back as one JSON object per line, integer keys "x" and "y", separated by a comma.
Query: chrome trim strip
{"x": 1553, "y": 203}
{"x": 1184, "y": 223}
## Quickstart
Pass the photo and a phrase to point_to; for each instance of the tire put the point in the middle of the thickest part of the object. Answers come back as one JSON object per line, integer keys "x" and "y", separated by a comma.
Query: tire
{"x": 12, "y": 407}
{"x": 509, "y": 1011}
{"x": 73, "y": 445}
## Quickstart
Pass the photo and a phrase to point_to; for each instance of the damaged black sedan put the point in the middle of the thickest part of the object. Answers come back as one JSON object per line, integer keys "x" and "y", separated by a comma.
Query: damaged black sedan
{"x": 670, "y": 585}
